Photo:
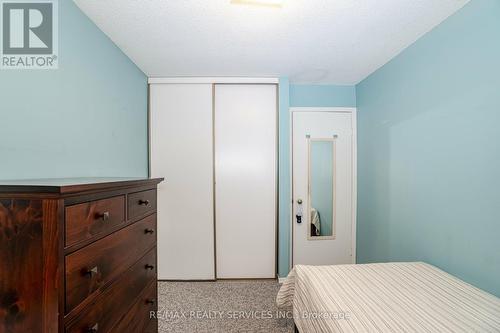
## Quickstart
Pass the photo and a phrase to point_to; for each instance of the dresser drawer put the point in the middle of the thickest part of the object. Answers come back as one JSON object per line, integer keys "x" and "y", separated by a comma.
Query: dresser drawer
{"x": 141, "y": 203}
{"x": 94, "y": 266}
{"x": 138, "y": 319}
{"x": 84, "y": 221}
{"x": 118, "y": 300}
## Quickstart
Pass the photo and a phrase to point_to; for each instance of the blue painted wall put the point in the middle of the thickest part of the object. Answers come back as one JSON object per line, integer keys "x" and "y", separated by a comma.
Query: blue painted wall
{"x": 429, "y": 151}
{"x": 88, "y": 118}
{"x": 284, "y": 179}
{"x": 299, "y": 96}
{"x": 322, "y": 96}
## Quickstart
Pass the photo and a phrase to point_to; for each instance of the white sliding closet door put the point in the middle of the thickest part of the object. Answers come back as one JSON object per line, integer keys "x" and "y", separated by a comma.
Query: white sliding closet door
{"x": 245, "y": 169}
{"x": 182, "y": 152}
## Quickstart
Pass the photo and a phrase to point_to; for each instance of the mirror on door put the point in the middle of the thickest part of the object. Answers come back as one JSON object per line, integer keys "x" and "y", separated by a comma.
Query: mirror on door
{"x": 322, "y": 188}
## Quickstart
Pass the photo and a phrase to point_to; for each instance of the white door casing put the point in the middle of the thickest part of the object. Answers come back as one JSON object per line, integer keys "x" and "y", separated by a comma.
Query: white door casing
{"x": 312, "y": 124}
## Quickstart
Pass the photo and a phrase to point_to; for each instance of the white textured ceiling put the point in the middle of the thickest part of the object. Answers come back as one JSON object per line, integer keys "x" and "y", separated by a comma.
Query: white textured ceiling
{"x": 310, "y": 41}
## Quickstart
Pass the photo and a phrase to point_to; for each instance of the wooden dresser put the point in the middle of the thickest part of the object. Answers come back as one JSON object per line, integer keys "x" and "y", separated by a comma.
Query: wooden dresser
{"x": 78, "y": 255}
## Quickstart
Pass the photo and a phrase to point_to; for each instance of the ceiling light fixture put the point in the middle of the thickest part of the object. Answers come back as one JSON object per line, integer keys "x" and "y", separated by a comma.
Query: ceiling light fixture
{"x": 262, "y": 3}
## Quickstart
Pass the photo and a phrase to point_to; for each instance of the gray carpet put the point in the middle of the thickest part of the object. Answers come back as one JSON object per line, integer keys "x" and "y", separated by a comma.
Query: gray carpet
{"x": 222, "y": 306}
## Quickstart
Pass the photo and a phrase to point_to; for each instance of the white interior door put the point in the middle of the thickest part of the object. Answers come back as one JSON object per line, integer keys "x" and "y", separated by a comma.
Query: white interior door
{"x": 322, "y": 188}
{"x": 182, "y": 152}
{"x": 245, "y": 168}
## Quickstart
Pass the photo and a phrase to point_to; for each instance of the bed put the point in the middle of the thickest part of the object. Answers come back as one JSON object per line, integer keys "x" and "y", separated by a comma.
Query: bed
{"x": 388, "y": 297}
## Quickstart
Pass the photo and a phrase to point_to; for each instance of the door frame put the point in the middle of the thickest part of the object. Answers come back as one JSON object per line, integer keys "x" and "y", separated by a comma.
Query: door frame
{"x": 353, "y": 112}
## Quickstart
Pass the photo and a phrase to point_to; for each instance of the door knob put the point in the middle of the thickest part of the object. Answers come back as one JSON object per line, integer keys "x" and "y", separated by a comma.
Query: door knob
{"x": 298, "y": 211}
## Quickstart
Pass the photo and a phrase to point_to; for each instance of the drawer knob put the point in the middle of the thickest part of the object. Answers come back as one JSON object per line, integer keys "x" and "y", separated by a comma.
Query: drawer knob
{"x": 144, "y": 202}
{"x": 93, "y": 329}
{"x": 151, "y": 301}
{"x": 93, "y": 271}
{"x": 103, "y": 216}
{"x": 149, "y": 231}
{"x": 150, "y": 267}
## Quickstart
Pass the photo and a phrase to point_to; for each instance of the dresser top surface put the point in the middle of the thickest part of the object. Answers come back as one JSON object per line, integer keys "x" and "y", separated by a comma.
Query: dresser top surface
{"x": 72, "y": 185}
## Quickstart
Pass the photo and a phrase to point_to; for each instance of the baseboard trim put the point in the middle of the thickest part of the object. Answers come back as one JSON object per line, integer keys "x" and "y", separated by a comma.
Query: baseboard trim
{"x": 245, "y": 279}
{"x": 280, "y": 280}
{"x": 166, "y": 280}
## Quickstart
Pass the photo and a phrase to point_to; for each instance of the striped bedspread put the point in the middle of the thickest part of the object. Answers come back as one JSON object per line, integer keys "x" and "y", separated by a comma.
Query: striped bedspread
{"x": 390, "y": 297}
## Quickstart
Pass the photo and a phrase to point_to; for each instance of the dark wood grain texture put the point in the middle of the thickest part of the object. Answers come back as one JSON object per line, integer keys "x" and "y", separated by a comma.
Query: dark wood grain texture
{"x": 29, "y": 246}
{"x": 21, "y": 266}
{"x": 52, "y": 260}
{"x": 38, "y": 272}
{"x": 73, "y": 185}
{"x": 116, "y": 301}
{"x": 88, "y": 219}
{"x": 141, "y": 317}
{"x": 141, "y": 203}
{"x": 90, "y": 269}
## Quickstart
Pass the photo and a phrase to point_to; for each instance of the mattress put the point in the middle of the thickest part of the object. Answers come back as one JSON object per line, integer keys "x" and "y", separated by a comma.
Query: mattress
{"x": 388, "y": 297}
